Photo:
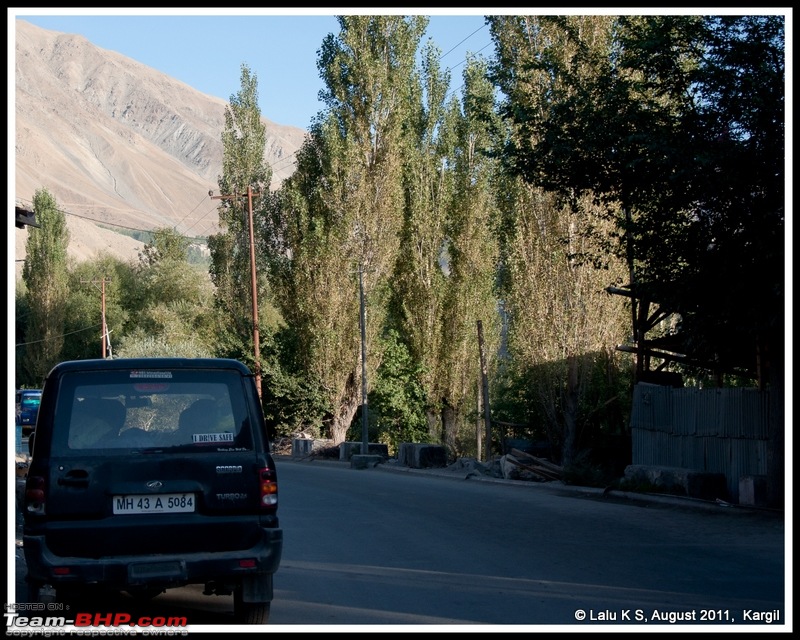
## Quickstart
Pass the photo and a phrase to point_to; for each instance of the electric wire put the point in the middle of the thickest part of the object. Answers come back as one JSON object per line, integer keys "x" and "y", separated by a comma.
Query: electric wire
{"x": 70, "y": 333}
{"x": 185, "y": 233}
{"x": 177, "y": 224}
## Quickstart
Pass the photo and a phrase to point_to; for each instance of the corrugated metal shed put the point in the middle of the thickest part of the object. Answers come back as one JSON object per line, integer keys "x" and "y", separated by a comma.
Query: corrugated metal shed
{"x": 714, "y": 430}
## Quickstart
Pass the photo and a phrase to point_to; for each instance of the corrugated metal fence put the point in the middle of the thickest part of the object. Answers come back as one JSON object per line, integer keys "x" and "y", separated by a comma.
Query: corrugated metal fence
{"x": 716, "y": 430}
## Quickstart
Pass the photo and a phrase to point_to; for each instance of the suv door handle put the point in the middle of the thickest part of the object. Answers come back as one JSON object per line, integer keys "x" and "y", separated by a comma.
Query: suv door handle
{"x": 75, "y": 478}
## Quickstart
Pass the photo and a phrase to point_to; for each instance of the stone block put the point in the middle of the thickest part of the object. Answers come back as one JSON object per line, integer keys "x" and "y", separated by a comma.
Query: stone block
{"x": 421, "y": 455}
{"x": 694, "y": 483}
{"x": 753, "y": 491}
{"x": 348, "y": 449}
{"x": 302, "y": 447}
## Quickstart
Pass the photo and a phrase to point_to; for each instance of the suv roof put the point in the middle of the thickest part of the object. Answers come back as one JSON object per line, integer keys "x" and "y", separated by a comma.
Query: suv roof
{"x": 100, "y": 364}
{"x": 152, "y": 473}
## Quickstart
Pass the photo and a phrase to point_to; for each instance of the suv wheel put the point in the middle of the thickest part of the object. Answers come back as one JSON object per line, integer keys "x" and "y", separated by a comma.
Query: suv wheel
{"x": 249, "y": 612}
{"x": 43, "y": 594}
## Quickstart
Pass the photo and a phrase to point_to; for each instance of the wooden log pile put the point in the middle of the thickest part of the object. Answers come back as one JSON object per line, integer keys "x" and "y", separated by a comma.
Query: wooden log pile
{"x": 541, "y": 469}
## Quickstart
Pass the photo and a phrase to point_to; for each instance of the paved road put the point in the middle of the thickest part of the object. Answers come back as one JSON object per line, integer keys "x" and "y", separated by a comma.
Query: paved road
{"x": 393, "y": 546}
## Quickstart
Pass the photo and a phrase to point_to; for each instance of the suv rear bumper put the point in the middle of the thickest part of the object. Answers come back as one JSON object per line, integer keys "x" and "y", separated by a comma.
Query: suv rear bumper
{"x": 161, "y": 570}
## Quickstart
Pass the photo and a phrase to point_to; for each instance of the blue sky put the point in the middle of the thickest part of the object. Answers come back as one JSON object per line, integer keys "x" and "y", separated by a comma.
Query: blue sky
{"x": 205, "y": 48}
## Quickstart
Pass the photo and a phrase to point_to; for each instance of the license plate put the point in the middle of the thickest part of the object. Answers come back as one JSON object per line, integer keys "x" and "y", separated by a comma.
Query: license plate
{"x": 157, "y": 503}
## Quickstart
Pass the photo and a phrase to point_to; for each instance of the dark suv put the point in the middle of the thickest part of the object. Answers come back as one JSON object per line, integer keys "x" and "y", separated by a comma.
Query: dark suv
{"x": 148, "y": 474}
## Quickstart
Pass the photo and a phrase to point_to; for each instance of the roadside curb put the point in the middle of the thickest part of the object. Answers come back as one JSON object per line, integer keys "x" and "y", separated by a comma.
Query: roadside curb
{"x": 553, "y": 487}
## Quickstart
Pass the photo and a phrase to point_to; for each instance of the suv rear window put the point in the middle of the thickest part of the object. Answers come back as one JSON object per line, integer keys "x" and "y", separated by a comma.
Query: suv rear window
{"x": 158, "y": 409}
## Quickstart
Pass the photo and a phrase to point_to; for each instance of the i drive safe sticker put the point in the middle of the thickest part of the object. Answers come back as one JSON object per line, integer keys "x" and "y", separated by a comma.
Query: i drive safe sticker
{"x": 211, "y": 438}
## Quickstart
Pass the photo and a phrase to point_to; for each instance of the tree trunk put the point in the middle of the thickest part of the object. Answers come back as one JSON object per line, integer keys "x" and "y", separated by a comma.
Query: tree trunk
{"x": 449, "y": 429}
{"x": 348, "y": 405}
{"x": 434, "y": 419}
{"x": 570, "y": 412}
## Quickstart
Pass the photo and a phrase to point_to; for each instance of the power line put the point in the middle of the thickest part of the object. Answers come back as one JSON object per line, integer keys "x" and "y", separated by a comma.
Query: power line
{"x": 202, "y": 200}
{"x": 96, "y": 221}
{"x": 188, "y": 229}
{"x": 457, "y": 89}
{"x": 462, "y": 42}
{"x": 113, "y": 224}
{"x": 63, "y": 335}
{"x": 288, "y": 157}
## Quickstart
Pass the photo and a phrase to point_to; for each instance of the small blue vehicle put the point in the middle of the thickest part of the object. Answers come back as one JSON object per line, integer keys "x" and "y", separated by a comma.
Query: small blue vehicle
{"x": 27, "y": 409}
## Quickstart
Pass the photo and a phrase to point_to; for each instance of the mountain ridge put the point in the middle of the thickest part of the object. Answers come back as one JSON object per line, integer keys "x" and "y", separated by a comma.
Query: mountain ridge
{"x": 119, "y": 143}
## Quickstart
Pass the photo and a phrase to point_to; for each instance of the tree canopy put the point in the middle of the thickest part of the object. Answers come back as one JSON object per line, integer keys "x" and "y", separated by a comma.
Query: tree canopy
{"x": 45, "y": 276}
{"x": 675, "y": 123}
{"x": 644, "y": 152}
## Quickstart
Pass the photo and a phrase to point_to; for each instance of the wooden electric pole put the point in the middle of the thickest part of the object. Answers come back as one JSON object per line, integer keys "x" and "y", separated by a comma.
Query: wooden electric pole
{"x": 363, "y": 323}
{"x": 254, "y": 296}
{"x": 487, "y": 413}
{"x": 106, "y": 342}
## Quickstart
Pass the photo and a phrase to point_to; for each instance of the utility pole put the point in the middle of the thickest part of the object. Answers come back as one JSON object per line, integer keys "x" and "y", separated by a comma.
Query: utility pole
{"x": 363, "y": 326}
{"x": 106, "y": 342}
{"x": 254, "y": 296}
{"x": 363, "y": 316}
{"x": 487, "y": 413}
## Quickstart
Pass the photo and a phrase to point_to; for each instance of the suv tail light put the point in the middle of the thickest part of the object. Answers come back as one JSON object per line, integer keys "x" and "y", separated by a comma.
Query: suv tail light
{"x": 268, "y": 497}
{"x": 34, "y": 495}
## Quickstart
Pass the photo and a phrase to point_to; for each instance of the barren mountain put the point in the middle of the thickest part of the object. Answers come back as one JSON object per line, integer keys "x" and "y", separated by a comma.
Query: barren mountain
{"x": 119, "y": 143}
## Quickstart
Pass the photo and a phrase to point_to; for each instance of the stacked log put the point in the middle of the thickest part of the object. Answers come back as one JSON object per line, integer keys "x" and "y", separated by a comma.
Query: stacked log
{"x": 543, "y": 470}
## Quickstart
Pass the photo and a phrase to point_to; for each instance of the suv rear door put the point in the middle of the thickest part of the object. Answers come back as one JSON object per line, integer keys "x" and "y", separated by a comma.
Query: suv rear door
{"x": 177, "y": 472}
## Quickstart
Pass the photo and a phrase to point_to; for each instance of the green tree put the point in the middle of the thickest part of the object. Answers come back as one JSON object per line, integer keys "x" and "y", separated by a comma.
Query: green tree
{"x": 140, "y": 344}
{"x": 677, "y": 126}
{"x": 45, "y": 276}
{"x": 83, "y": 326}
{"x": 174, "y": 313}
{"x": 563, "y": 326}
{"x": 472, "y": 256}
{"x": 398, "y": 400}
{"x": 339, "y": 215}
{"x": 166, "y": 243}
{"x": 21, "y": 315}
{"x": 243, "y": 169}
{"x": 419, "y": 283}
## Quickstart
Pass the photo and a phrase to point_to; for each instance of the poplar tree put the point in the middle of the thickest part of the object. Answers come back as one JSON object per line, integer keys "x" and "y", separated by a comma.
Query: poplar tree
{"x": 243, "y": 166}
{"x": 45, "y": 276}
{"x": 563, "y": 326}
{"x": 675, "y": 126}
{"x": 472, "y": 256}
{"x": 340, "y": 214}
{"x": 419, "y": 283}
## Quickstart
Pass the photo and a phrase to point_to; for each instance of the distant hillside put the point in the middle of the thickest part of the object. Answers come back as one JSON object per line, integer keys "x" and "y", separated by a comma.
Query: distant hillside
{"x": 119, "y": 142}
